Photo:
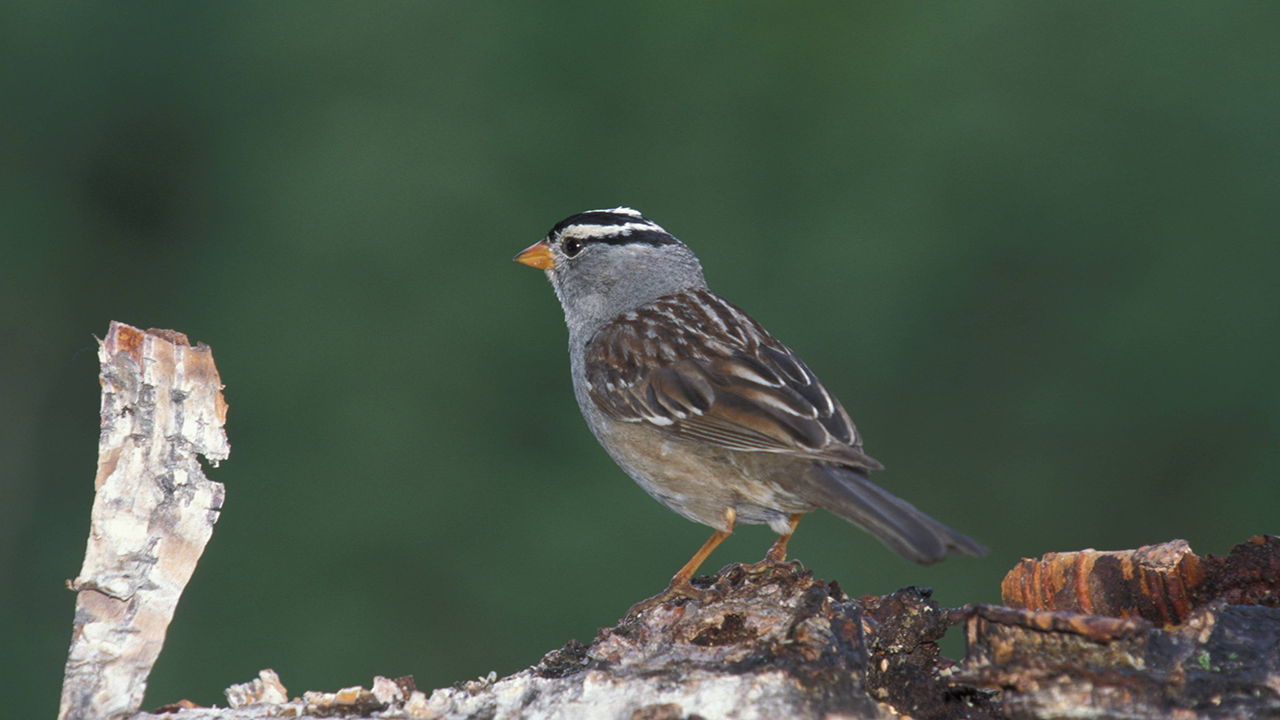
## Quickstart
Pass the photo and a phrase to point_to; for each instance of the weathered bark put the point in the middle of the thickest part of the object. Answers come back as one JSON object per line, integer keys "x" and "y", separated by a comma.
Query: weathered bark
{"x": 785, "y": 645}
{"x": 1149, "y": 633}
{"x": 1181, "y": 636}
{"x": 153, "y": 512}
{"x": 779, "y": 644}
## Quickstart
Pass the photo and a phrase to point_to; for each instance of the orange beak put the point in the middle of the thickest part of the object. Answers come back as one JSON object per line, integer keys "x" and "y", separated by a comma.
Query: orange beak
{"x": 537, "y": 255}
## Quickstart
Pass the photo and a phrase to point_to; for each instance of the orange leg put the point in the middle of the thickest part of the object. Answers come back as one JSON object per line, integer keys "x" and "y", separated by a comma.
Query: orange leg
{"x": 778, "y": 553}
{"x": 680, "y": 585}
{"x": 696, "y": 561}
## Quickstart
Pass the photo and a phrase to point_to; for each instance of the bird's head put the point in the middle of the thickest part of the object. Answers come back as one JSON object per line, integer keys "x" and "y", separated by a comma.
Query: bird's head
{"x": 603, "y": 263}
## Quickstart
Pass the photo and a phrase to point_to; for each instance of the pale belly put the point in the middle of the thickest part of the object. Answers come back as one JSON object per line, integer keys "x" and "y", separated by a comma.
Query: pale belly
{"x": 700, "y": 482}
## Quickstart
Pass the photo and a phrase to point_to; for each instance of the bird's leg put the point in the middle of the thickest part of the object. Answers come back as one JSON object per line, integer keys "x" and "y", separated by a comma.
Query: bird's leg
{"x": 680, "y": 585}
{"x": 777, "y": 554}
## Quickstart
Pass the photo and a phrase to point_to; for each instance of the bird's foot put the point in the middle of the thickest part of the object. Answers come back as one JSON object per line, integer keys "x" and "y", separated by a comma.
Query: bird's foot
{"x": 769, "y": 564}
{"x": 679, "y": 588}
{"x": 777, "y": 555}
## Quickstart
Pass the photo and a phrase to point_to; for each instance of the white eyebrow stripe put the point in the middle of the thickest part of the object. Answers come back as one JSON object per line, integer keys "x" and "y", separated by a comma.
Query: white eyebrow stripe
{"x": 592, "y": 231}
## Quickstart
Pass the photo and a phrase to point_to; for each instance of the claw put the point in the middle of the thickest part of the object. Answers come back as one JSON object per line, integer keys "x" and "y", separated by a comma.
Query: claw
{"x": 777, "y": 555}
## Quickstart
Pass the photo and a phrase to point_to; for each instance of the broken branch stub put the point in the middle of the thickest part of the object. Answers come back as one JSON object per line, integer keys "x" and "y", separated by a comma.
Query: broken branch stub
{"x": 153, "y": 513}
{"x": 1164, "y": 584}
{"x": 1154, "y": 632}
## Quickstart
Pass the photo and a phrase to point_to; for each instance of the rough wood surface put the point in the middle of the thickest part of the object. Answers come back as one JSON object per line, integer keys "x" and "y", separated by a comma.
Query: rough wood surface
{"x": 781, "y": 644}
{"x": 786, "y": 645}
{"x": 153, "y": 512}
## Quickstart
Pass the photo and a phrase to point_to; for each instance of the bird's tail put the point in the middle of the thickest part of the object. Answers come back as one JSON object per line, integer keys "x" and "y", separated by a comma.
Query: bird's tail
{"x": 848, "y": 493}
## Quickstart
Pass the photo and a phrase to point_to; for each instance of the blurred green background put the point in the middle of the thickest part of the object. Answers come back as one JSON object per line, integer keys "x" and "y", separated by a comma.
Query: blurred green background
{"x": 1033, "y": 247}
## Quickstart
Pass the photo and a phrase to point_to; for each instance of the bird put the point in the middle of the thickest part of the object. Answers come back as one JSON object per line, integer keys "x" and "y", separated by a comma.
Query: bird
{"x": 709, "y": 413}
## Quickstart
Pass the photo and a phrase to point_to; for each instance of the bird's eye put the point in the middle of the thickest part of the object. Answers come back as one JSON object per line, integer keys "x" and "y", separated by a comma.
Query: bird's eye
{"x": 572, "y": 247}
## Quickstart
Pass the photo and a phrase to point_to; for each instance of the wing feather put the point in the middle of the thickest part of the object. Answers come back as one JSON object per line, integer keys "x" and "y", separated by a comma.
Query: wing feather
{"x": 731, "y": 384}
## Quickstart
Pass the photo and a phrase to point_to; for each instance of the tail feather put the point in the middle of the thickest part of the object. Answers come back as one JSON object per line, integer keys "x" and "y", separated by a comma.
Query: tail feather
{"x": 895, "y": 522}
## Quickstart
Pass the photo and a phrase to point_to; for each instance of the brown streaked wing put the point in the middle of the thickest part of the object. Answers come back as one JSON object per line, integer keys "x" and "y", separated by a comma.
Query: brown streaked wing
{"x": 703, "y": 370}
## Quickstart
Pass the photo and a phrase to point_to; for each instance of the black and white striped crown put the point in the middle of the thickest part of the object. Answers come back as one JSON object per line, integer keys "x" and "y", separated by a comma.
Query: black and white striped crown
{"x": 618, "y": 226}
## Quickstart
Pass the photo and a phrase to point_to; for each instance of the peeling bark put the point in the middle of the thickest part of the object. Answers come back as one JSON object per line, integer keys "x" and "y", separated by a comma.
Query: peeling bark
{"x": 153, "y": 512}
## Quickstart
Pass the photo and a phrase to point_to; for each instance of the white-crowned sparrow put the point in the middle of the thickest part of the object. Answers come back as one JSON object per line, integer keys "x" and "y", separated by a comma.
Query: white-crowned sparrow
{"x": 701, "y": 406}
